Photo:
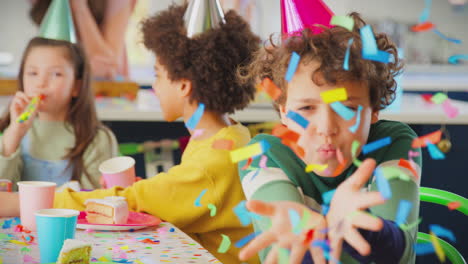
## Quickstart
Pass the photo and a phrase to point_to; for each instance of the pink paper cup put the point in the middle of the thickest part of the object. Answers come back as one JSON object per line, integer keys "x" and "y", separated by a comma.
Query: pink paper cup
{"x": 118, "y": 171}
{"x": 34, "y": 196}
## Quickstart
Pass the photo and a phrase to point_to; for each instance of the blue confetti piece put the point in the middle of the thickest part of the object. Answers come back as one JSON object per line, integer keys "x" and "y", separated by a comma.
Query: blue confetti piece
{"x": 403, "y": 211}
{"x": 358, "y": 120}
{"x": 380, "y": 56}
{"x": 369, "y": 45}
{"x": 346, "y": 58}
{"x": 255, "y": 174}
{"x": 265, "y": 147}
{"x": 195, "y": 118}
{"x": 342, "y": 110}
{"x": 423, "y": 248}
{"x": 172, "y": 229}
{"x": 325, "y": 209}
{"x": 295, "y": 219}
{"x": 197, "y": 201}
{"x": 382, "y": 184}
{"x": 322, "y": 244}
{"x": 243, "y": 241}
{"x": 455, "y": 58}
{"x": 300, "y": 120}
{"x": 442, "y": 232}
{"x": 293, "y": 63}
{"x": 434, "y": 151}
{"x": 456, "y": 41}
{"x": 370, "y": 147}
{"x": 426, "y": 11}
{"x": 242, "y": 213}
{"x": 327, "y": 196}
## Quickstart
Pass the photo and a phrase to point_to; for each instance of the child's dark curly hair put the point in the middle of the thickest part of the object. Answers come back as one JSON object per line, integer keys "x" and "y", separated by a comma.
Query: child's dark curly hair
{"x": 209, "y": 60}
{"x": 329, "y": 49}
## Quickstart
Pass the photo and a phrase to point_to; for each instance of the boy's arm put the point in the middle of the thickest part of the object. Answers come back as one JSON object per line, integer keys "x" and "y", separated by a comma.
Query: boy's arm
{"x": 10, "y": 204}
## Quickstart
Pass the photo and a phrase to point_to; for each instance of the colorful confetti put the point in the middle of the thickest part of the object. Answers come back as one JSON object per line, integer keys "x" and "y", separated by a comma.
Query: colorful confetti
{"x": 433, "y": 138}
{"x": 249, "y": 151}
{"x": 196, "y": 116}
{"x": 342, "y": 110}
{"x": 212, "y": 208}
{"x": 293, "y": 63}
{"x": 334, "y": 95}
{"x": 347, "y": 54}
{"x": 271, "y": 89}
{"x": 300, "y": 120}
{"x": 225, "y": 244}
{"x": 197, "y": 201}
{"x": 404, "y": 208}
{"x": 358, "y": 120}
{"x": 370, "y": 147}
{"x": 225, "y": 144}
{"x": 343, "y": 21}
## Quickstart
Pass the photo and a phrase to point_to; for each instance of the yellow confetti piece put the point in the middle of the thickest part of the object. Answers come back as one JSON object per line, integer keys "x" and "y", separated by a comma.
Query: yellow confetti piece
{"x": 19, "y": 242}
{"x": 103, "y": 259}
{"x": 338, "y": 94}
{"x": 246, "y": 152}
{"x": 1, "y": 260}
{"x": 212, "y": 207}
{"x": 124, "y": 248}
{"x": 138, "y": 261}
{"x": 316, "y": 167}
{"x": 225, "y": 244}
{"x": 438, "y": 249}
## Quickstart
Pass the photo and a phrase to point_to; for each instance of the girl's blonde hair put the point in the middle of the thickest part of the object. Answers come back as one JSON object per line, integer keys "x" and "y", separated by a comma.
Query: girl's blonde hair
{"x": 82, "y": 113}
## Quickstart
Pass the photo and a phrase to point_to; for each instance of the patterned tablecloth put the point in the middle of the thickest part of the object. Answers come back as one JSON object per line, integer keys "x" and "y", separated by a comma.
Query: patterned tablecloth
{"x": 161, "y": 244}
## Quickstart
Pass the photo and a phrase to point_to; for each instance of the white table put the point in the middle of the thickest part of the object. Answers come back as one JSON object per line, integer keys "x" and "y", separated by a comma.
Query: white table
{"x": 413, "y": 111}
{"x": 126, "y": 247}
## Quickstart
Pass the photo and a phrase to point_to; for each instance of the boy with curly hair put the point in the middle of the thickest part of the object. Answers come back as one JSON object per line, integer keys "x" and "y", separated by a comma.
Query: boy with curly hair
{"x": 330, "y": 141}
{"x": 190, "y": 72}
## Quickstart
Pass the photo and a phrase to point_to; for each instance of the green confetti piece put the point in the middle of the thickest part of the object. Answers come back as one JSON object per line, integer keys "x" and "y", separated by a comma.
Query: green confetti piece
{"x": 304, "y": 220}
{"x": 103, "y": 235}
{"x": 212, "y": 208}
{"x": 439, "y": 98}
{"x": 25, "y": 250}
{"x": 344, "y": 21}
{"x": 354, "y": 148}
{"x": 225, "y": 244}
{"x": 4, "y": 236}
{"x": 283, "y": 255}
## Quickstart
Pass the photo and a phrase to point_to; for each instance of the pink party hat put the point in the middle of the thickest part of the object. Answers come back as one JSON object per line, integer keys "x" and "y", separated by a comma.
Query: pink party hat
{"x": 299, "y": 14}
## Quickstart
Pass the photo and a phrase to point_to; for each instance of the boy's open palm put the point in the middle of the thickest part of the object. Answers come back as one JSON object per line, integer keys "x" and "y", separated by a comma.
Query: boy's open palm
{"x": 281, "y": 232}
{"x": 346, "y": 212}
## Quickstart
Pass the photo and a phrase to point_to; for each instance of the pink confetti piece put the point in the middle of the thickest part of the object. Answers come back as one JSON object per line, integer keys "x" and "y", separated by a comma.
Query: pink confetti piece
{"x": 28, "y": 259}
{"x": 412, "y": 154}
{"x": 450, "y": 110}
{"x": 263, "y": 161}
{"x": 197, "y": 133}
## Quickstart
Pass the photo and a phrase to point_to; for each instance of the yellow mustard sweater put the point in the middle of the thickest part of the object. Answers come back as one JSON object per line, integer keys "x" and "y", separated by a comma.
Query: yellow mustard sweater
{"x": 171, "y": 196}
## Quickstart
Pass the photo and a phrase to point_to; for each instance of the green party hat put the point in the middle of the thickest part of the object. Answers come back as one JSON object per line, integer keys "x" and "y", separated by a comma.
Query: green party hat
{"x": 58, "y": 22}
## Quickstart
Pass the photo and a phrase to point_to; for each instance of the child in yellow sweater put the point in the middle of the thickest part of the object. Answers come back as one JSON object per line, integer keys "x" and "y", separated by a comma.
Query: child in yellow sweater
{"x": 191, "y": 71}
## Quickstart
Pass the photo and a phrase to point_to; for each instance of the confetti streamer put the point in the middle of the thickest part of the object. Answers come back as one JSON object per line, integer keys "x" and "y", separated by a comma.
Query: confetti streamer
{"x": 456, "y": 41}
{"x": 293, "y": 62}
{"x": 346, "y": 58}
{"x": 342, "y": 110}
{"x": 338, "y": 94}
{"x": 246, "y": 239}
{"x": 225, "y": 244}
{"x": 434, "y": 151}
{"x": 283, "y": 255}
{"x": 423, "y": 248}
{"x": 425, "y": 26}
{"x": 358, "y": 120}
{"x": 403, "y": 211}
{"x": 439, "y": 98}
{"x": 433, "y": 138}
{"x": 300, "y": 120}
{"x": 442, "y": 232}
{"x": 354, "y": 149}
{"x": 249, "y": 151}
{"x": 294, "y": 218}
{"x": 343, "y": 21}
{"x": 438, "y": 249}
{"x": 212, "y": 208}
{"x": 316, "y": 167}
{"x": 195, "y": 118}
{"x": 407, "y": 165}
{"x": 450, "y": 110}
{"x": 327, "y": 196}
{"x": 271, "y": 89}
{"x": 197, "y": 201}
{"x": 370, "y": 147}
{"x": 455, "y": 58}
{"x": 369, "y": 45}
{"x": 426, "y": 11}
{"x": 225, "y": 144}
{"x": 382, "y": 184}
{"x": 453, "y": 205}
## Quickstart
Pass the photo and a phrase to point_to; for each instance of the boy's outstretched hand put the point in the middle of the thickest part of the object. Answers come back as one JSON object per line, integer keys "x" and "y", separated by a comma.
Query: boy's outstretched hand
{"x": 281, "y": 232}
{"x": 346, "y": 212}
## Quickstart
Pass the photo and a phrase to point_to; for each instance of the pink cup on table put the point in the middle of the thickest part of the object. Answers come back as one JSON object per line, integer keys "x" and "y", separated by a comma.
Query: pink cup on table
{"x": 34, "y": 196}
{"x": 118, "y": 171}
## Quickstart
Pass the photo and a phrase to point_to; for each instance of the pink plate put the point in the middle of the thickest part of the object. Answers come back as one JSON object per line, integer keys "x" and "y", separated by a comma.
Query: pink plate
{"x": 135, "y": 221}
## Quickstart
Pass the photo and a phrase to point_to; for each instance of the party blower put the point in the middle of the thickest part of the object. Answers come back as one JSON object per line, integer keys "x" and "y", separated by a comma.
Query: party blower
{"x": 30, "y": 109}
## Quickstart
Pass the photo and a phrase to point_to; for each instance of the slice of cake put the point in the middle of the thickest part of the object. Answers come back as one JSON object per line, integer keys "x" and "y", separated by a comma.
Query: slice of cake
{"x": 110, "y": 210}
{"x": 75, "y": 251}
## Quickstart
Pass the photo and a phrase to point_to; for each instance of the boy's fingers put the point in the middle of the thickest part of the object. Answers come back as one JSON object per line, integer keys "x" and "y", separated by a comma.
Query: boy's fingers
{"x": 336, "y": 244}
{"x": 367, "y": 221}
{"x": 260, "y": 207}
{"x": 272, "y": 257}
{"x": 298, "y": 251}
{"x": 369, "y": 199}
{"x": 354, "y": 239}
{"x": 317, "y": 255}
{"x": 362, "y": 174}
{"x": 260, "y": 242}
